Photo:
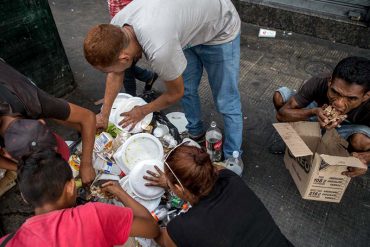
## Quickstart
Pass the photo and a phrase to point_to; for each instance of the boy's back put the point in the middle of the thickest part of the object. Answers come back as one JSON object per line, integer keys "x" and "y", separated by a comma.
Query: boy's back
{"x": 92, "y": 224}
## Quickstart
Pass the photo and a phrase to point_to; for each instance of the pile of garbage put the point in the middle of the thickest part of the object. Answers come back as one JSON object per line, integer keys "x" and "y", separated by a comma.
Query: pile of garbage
{"x": 124, "y": 155}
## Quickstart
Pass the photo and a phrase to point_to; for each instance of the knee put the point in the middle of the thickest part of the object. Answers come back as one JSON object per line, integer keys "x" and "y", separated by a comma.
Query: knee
{"x": 278, "y": 100}
{"x": 360, "y": 142}
{"x": 229, "y": 107}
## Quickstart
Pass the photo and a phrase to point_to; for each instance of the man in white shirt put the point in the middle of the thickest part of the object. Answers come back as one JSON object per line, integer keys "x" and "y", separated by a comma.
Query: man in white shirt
{"x": 178, "y": 38}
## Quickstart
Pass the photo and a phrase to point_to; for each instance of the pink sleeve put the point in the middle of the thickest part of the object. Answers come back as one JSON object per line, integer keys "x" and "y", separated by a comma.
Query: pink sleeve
{"x": 115, "y": 222}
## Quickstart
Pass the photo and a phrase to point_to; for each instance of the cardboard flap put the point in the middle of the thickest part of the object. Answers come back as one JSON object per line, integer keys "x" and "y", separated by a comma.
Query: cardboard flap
{"x": 343, "y": 161}
{"x": 333, "y": 144}
{"x": 304, "y": 128}
{"x": 293, "y": 141}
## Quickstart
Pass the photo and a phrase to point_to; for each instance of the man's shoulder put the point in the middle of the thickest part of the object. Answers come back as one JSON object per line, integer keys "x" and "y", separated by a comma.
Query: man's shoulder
{"x": 321, "y": 78}
{"x": 316, "y": 84}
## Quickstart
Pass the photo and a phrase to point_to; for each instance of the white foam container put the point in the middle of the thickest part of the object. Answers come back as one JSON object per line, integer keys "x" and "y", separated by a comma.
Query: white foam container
{"x": 137, "y": 148}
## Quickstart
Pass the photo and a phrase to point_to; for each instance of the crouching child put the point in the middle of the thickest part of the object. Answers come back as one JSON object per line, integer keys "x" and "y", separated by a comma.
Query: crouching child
{"x": 45, "y": 181}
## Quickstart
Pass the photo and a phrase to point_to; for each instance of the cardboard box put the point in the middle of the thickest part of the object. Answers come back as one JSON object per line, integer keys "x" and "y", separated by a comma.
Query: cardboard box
{"x": 316, "y": 162}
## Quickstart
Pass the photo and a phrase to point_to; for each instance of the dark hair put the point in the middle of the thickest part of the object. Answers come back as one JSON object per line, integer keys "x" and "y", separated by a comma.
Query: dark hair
{"x": 42, "y": 176}
{"x": 194, "y": 169}
{"x": 354, "y": 70}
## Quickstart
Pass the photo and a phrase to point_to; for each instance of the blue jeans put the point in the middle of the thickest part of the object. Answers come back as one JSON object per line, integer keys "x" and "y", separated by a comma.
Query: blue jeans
{"x": 347, "y": 128}
{"x": 222, "y": 65}
{"x": 133, "y": 73}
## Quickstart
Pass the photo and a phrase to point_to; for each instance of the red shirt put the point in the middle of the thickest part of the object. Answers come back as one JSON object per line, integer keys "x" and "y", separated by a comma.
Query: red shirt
{"x": 115, "y": 6}
{"x": 92, "y": 224}
{"x": 62, "y": 147}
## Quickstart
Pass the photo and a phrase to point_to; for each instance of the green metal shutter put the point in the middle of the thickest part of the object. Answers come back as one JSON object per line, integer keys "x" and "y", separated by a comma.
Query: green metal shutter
{"x": 29, "y": 41}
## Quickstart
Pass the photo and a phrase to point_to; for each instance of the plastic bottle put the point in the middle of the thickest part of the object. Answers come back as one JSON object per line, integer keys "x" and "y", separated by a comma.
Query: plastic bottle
{"x": 160, "y": 213}
{"x": 235, "y": 163}
{"x": 214, "y": 142}
{"x": 170, "y": 216}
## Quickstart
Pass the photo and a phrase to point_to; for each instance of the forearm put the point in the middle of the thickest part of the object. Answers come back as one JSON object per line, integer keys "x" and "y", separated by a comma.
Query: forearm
{"x": 293, "y": 115}
{"x": 112, "y": 87}
{"x": 160, "y": 239}
{"x": 7, "y": 164}
{"x": 137, "y": 208}
{"x": 164, "y": 238}
{"x": 88, "y": 138}
{"x": 162, "y": 102}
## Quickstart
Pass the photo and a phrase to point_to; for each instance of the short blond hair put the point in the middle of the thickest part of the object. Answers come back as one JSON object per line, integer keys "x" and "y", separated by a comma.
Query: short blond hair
{"x": 103, "y": 43}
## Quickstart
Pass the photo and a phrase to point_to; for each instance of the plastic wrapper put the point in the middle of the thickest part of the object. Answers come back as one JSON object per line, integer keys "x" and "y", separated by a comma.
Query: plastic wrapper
{"x": 119, "y": 140}
{"x": 162, "y": 119}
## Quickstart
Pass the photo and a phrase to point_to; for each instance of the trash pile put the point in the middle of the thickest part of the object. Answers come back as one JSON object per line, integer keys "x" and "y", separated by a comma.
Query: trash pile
{"x": 124, "y": 155}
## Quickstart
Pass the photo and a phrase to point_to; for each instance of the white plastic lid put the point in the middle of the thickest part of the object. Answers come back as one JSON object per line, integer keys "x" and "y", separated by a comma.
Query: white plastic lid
{"x": 137, "y": 182}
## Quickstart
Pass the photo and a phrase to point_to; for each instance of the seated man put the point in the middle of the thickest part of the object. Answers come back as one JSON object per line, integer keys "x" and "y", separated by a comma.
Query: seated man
{"x": 347, "y": 90}
{"x": 45, "y": 181}
{"x": 19, "y": 97}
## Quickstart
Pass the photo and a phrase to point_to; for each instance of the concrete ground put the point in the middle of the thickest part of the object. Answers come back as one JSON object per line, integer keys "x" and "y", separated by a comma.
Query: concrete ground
{"x": 266, "y": 64}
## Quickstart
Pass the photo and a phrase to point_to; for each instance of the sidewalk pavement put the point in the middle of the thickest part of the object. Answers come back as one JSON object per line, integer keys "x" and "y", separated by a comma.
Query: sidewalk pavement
{"x": 266, "y": 64}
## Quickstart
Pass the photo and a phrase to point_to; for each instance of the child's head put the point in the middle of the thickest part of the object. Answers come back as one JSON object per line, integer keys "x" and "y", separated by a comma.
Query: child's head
{"x": 23, "y": 136}
{"x": 44, "y": 177}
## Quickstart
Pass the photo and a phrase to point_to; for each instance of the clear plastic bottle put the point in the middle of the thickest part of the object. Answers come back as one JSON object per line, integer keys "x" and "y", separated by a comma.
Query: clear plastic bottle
{"x": 214, "y": 142}
{"x": 160, "y": 213}
{"x": 235, "y": 163}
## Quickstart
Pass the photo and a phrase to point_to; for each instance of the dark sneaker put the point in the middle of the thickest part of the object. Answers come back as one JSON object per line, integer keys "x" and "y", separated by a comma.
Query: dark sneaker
{"x": 149, "y": 84}
{"x": 277, "y": 146}
{"x": 200, "y": 139}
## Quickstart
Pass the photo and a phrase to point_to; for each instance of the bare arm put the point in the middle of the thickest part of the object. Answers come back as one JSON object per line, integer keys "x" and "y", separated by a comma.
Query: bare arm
{"x": 7, "y": 164}
{"x": 164, "y": 239}
{"x": 83, "y": 121}
{"x": 174, "y": 92}
{"x": 113, "y": 85}
{"x": 291, "y": 112}
{"x": 144, "y": 224}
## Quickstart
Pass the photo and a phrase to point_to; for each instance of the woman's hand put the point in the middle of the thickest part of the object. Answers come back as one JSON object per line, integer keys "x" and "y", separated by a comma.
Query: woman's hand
{"x": 156, "y": 179}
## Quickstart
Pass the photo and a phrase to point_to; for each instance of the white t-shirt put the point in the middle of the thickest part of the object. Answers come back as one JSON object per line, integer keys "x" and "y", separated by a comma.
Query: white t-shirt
{"x": 165, "y": 27}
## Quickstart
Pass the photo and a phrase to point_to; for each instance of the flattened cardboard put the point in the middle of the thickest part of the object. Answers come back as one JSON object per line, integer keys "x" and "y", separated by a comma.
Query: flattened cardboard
{"x": 318, "y": 174}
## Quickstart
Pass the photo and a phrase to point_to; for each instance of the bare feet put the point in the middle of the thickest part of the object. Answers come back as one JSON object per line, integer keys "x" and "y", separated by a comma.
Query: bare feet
{"x": 363, "y": 156}
{"x": 354, "y": 171}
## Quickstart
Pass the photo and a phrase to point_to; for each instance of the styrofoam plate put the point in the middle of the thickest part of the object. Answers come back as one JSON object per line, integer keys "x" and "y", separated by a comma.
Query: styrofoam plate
{"x": 126, "y": 106}
{"x": 121, "y": 97}
{"x": 138, "y": 147}
{"x": 179, "y": 120}
{"x": 148, "y": 204}
{"x": 137, "y": 182}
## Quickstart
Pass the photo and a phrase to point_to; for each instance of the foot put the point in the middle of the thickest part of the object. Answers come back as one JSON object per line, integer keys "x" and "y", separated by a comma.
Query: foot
{"x": 363, "y": 156}
{"x": 149, "y": 84}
